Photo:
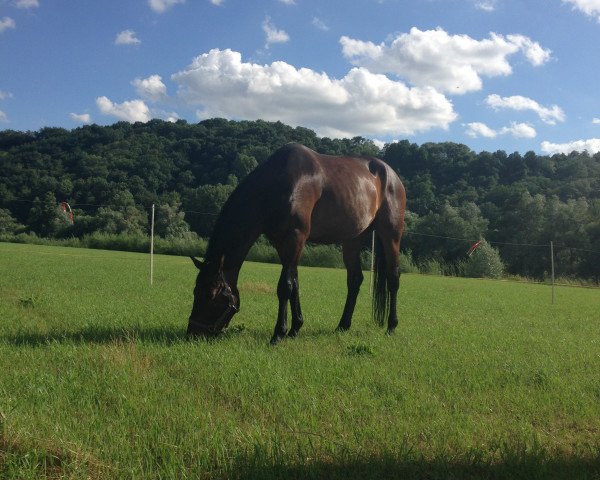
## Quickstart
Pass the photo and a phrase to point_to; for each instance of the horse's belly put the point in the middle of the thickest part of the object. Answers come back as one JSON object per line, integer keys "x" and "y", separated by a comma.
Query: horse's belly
{"x": 335, "y": 223}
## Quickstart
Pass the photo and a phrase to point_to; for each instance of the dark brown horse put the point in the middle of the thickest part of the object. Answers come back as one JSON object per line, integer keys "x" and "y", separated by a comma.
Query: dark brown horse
{"x": 295, "y": 196}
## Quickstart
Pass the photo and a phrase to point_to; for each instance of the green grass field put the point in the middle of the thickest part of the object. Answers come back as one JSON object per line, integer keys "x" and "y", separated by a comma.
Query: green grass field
{"x": 483, "y": 379}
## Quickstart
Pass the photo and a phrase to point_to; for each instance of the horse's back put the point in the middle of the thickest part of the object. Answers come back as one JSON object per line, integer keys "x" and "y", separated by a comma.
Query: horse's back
{"x": 333, "y": 198}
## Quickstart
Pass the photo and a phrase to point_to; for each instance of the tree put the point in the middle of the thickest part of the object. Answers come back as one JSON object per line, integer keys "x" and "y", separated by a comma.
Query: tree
{"x": 484, "y": 262}
{"x": 8, "y": 225}
{"x": 243, "y": 165}
{"x": 46, "y": 217}
{"x": 170, "y": 222}
{"x": 203, "y": 205}
{"x": 130, "y": 220}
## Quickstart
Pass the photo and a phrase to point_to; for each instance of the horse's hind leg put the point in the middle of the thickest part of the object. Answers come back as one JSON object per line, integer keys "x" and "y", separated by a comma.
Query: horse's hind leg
{"x": 392, "y": 260}
{"x": 354, "y": 279}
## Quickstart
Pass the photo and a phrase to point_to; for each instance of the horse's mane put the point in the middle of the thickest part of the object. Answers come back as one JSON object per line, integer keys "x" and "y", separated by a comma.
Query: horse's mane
{"x": 236, "y": 218}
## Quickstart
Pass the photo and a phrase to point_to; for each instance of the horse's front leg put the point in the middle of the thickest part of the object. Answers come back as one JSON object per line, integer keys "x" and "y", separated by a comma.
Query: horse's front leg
{"x": 289, "y": 250}
{"x": 284, "y": 293}
{"x": 297, "y": 320}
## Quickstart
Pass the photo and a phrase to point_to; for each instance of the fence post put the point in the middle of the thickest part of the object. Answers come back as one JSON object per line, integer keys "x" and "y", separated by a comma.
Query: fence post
{"x": 552, "y": 263}
{"x": 152, "y": 246}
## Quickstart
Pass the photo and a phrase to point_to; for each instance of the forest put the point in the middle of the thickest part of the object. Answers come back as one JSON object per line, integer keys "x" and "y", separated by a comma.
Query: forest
{"x": 111, "y": 175}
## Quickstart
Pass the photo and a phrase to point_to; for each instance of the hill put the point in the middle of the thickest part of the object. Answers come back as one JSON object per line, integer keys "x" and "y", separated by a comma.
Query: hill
{"x": 111, "y": 175}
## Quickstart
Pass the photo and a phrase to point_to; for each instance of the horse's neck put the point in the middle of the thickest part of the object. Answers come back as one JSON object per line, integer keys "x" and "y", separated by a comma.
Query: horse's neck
{"x": 230, "y": 243}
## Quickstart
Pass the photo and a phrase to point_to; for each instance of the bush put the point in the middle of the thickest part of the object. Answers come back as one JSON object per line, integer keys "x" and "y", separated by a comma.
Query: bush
{"x": 407, "y": 264}
{"x": 431, "y": 266}
{"x": 484, "y": 262}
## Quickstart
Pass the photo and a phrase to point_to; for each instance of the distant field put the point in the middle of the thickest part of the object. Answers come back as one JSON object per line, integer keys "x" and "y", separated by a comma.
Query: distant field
{"x": 483, "y": 379}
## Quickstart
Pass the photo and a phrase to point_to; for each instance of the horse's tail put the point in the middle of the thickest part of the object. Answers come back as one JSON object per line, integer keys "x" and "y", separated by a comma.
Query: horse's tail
{"x": 381, "y": 293}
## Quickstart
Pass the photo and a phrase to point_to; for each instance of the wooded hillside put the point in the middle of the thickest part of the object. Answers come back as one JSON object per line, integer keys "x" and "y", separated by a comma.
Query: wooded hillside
{"x": 111, "y": 175}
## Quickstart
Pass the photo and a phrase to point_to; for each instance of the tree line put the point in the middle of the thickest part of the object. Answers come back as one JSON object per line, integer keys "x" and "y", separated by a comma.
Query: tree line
{"x": 110, "y": 175}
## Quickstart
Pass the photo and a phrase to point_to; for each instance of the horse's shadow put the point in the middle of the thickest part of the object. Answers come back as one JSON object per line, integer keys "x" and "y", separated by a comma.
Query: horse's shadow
{"x": 98, "y": 335}
{"x": 165, "y": 335}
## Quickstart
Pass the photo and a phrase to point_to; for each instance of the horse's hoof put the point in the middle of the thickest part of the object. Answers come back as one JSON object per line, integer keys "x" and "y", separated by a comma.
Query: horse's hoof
{"x": 341, "y": 329}
{"x": 292, "y": 334}
{"x": 276, "y": 339}
{"x": 390, "y": 331}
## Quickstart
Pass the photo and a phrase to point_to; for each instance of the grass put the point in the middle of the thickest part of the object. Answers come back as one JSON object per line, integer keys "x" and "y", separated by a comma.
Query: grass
{"x": 483, "y": 379}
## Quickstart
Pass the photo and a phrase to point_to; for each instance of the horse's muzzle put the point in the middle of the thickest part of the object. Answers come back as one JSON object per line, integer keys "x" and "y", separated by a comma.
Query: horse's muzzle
{"x": 199, "y": 329}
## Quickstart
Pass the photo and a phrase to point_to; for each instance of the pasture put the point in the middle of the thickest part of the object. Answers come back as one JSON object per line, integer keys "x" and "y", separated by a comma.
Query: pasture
{"x": 483, "y": 379}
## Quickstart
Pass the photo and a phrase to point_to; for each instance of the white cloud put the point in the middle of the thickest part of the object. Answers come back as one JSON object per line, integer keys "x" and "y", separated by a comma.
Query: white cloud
{"x": 517, "y": 130}
{"x": 450, "y": 63}
{"x": 549, "y": 115}
{"x": 161, "y": 6}
{"x": 361, "y": 103}
{"x": 6, "y": 23}
{"x": 218, "y": 3}
{"x": 533, "y": 51}
{"x": 320, "y": 24}
{"x": 485, "y": 5}
{"x": 81, "y": 117}
{"x": 4, "y": 95}
{"x": 288, "y": 2}
{"x": 151, "y": 88}
{"x": 127, "y": 37}
{"x": 596, "y": 121}
{"x": 27, "y": 3}
{"x": 592, "y": 145}
{"x": 273, "y": 35}
{"x": 3, "y": 117}
{"x": 130, "y": 111}
{"x": 478, "y": 129}
{"x": 589, "y": 7}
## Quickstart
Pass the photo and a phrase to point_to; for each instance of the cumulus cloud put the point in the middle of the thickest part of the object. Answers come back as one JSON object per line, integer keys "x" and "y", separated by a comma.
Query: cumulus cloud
{"x": 81, "y": 117}
{"x": 151, "y": 88}
{"x": 273, "y": 35}
{"x": 127, "y": 37}
{"x": 592, "y": 146}
{"x": 517, "y": 130}
{"x": 361, "y": 103}
{"x": 589, "y": 7}
{"x": 161, "y": 6}
{"x": 3, "y": 117}
{"x": 450, "y": 63}
{"x": 596, "y": 121}
{"x": 478, "y": 129}
{"x": 288, "y": 2}
{"x": 533, "y": 51}
{"x": 7, "y": 23}
{"x": 218, "y": 3}
{"x": 549, "y": 115}
{"x": 130, "y": 111}
{"x": 4, "y": 95}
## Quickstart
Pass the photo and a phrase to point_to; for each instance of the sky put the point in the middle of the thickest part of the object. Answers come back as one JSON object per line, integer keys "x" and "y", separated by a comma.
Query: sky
{"x": 513, "y": 75}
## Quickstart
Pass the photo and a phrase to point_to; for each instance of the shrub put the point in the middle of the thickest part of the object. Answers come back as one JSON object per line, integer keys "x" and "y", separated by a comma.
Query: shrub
{"x": 431, "y": 266}
{"x": 484, "y": 262}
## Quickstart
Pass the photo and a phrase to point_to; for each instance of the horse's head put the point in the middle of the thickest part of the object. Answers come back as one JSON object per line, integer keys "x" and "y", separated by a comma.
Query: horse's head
{"x": 214, "y": 301}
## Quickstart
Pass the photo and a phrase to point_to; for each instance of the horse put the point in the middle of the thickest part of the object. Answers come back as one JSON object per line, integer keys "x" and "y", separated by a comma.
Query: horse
{"x": 298, "y": 195}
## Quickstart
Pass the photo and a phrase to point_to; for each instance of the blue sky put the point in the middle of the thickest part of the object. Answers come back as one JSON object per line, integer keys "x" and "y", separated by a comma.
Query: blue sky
{"x": 508, "y": 75}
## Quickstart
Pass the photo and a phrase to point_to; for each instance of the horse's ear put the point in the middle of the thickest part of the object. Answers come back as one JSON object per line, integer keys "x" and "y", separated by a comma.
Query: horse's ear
{"x": 197, "y": 262}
